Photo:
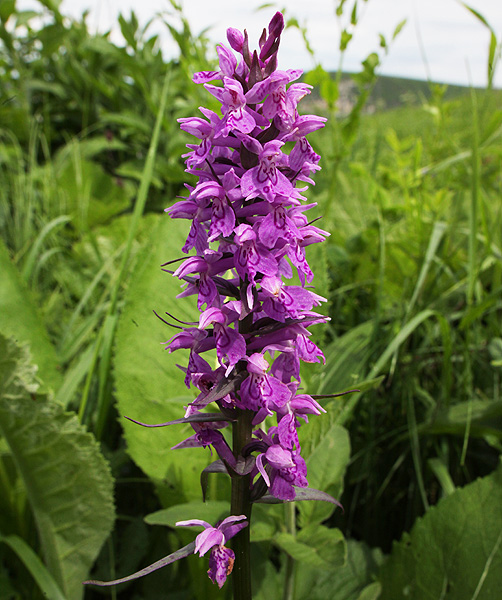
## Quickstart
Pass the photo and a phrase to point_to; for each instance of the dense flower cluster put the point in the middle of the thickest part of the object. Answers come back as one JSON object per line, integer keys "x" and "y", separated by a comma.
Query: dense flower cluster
{"x": 249, "y": 232}
{"x": 248, "y": 235}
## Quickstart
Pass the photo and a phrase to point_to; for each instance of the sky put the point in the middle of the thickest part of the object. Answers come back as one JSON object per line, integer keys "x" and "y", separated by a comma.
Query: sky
{"x": 441, "y": 40}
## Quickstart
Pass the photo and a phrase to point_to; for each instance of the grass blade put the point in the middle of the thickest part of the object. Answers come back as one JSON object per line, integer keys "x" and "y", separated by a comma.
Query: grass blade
{"x": 35, "y": 249}
{"x": 35, "y": 566}
{"x": 139, "y": 206}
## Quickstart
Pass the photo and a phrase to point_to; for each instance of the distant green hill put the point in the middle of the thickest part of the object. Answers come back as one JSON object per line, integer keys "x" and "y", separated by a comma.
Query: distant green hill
{"x": 391, "y": 92}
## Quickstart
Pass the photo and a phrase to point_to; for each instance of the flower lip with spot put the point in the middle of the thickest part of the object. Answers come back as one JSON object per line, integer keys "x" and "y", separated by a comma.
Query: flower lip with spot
{"x": 266, "y": 179}
{"x": 222, "y": 559}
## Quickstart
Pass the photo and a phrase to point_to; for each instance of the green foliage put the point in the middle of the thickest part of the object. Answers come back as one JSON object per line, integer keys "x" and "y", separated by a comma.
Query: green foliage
{"x": 66, "y": 480}
{"x": 349, "y": 581}
{"x": 327, "y": 452}
{"x": 35, "y": 566}
{"x": 20, "y": 318}
{"x": 212, "y": 512}
{"x": 454, "y": 551}
{"x": 413, "y": 276}
{"x": 150, "y": 387}
{"x": 66, "y": 82}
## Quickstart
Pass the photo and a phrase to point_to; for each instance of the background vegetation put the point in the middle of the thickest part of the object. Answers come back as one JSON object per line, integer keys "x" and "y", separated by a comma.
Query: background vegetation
{"x": 90, "y": 155}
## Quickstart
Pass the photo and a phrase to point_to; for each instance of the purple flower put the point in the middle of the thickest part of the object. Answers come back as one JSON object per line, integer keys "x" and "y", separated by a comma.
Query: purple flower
{"x": 260, "y": 390}
{"x": 248, "y": 234}
{"x": 221, "y": 560}
{"x": 266, "y": 178}
{"x": 287, "y": 469}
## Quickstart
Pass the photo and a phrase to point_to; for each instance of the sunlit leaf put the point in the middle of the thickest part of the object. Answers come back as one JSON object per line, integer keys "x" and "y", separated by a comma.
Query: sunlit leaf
{"x": 211, "y": 512}
{"x": 67, "y": 481}
{"x": 150, "y": 386}
{"x": 20, "y": 318}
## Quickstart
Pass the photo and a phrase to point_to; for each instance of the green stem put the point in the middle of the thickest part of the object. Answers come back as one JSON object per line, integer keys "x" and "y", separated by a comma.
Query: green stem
{"x": 241, "y": 505}
{"x": 289, "y": 584}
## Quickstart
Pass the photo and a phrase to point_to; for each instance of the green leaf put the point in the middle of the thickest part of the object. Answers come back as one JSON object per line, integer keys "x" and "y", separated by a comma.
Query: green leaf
{"x": 371, "y": 592}
{"x": 265, "y": 522}
{"x": 482, "y": 417}
{"x": 92, "y": 196}
{"x": 344, "y": 40}
{"x": 316, "y": 546}
{"x": 339, "y": 8}
{"x": 327, "y": 455}
{"x": 39, "y": 85}
{"x": 68, "y": 483}
{"x": 495, "y": 350}
{"x": 35, "y": 566}
{"x": 346, "y": 360}
{"x": 492, "y": 51}
{"x": 398, "y": 29}
{"x": 351, "y": 581}
{"x": 7, "y": 7}
{"x": 207, "y": 511}
{"x": 35, "y": 251}
{"x": 128, "y": 31}
{"x": 21, "y": 319}
{"x": 149, "y": 385}
{"x": 302, "y": 494}
{"x": 454, "y": 551}
{"x": 440, "y": 470}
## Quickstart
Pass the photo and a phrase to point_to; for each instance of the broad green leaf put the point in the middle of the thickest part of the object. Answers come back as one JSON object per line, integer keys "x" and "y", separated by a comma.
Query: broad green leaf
{"x": 316, "y": 546}
{"x": 482, "y": 417}
{"x": 267, "y": 582}
{"x": 207, "y": 511}
{"x": 150, "y": 387}
{"x": 21, "y": 319}
{"x": 67, "y": 481}
{"x": 327, "y": 455}
{"x": 350, "y": 581}
{"x": 92, "y": 196}
{"x": 454, "y": 551}
{"x": 371, "y": 591}
{"x": 265, "y": 522}
{"x": 346, "y": 360}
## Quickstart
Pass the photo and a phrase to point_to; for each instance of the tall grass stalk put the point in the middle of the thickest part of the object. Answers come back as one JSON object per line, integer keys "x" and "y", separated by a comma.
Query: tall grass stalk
{"x": 472, "y": 265}
{"x": 44, "y": 579}
{"x": 104, "y": 343}
{"x": 475, "y": 193}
